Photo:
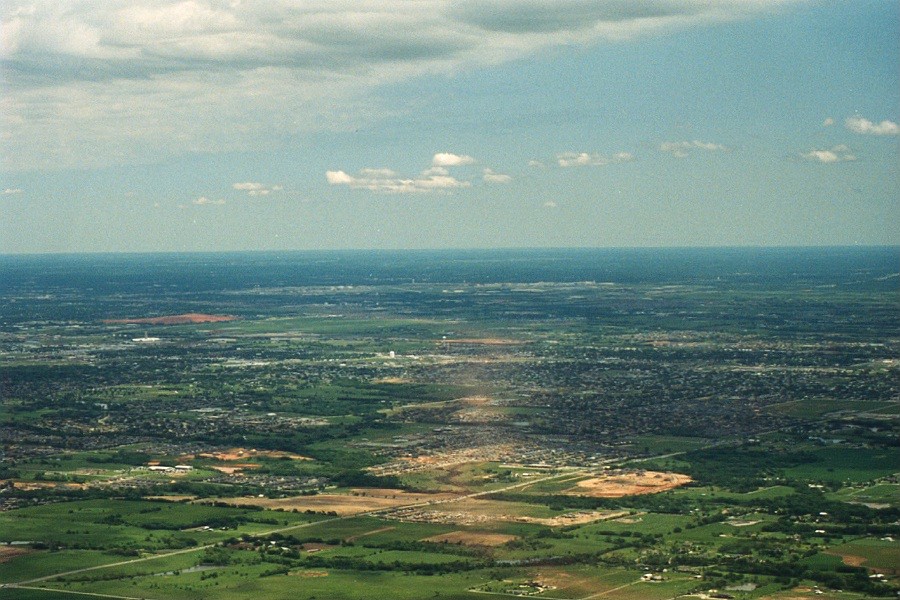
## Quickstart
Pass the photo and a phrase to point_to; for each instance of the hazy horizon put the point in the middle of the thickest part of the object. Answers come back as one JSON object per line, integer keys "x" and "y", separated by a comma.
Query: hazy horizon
{"x": 456, "y": 249}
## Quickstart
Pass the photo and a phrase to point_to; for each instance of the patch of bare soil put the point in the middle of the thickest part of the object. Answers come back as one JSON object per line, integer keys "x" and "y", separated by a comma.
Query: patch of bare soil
{"x": 309, "y": 574}
{"x": 365, "y": 500}
{"x": 484, "y": 341}
{"x": 172, "y": 498}
{"x": 187, "y": 318}
{"x": 245, "y": 454}
{"x": 628, "y": 483}
{"x": 7, "y": 553}
{"x": 851, "y": 560}
{"x": 235, "y": 468}
{"x": 472, "y": 538}
{"x": 576, "y": 518}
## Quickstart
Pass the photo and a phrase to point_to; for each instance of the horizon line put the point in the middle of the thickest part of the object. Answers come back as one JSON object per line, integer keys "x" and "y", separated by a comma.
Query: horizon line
{"x": 450, "y": 249}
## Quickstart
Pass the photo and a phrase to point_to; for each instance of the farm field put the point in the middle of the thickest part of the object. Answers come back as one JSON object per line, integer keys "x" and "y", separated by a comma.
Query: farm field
{"x": 353, "y": 502}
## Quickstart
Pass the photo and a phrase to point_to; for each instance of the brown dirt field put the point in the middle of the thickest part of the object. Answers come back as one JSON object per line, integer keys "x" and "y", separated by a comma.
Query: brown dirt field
{"x": 476, "y": 400}
{"x": 308, "y": 574}
{"x": 806, "y": 594}
{"x": 392, "y": 380}
{"x": 171, "y": 498}
{"x": 472, "y": 538}
{"x": 245, "y": 454}
{"x": 341, "y": 504}
{"x": 484, "y": 341}
{"x": 578, "y": 518}
{"x": 175, "y": 319}
{"x": 617, "y": 485}
{"x": 575, "y": 585}
{"x": 851, "y": 560}
{"x": 45, "y": 485}
{"x": 7, "y": 553}
{"x": 392, "y": 493}
{"x": 316, "y": 547}
{"x": 232, "y": 469}
{"x": 468, "y": 511}
{"x": 472, "y": 511}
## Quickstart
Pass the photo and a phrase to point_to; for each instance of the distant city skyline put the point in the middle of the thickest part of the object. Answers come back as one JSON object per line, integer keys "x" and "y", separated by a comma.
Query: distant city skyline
{"x": 215, "y": 126}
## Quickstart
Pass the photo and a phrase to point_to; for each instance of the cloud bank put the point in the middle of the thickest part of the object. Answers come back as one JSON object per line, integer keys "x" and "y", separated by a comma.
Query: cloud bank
{"x": 436, "y": 178}
{"x": 96, "y": 82}
{"x": 584, "y": 159}
{"x": 256, "y": 189}
{"x": 490, "y": 176}
{"x": 204, "y": 201}
{"x": 684, "y": 149}
{"x": 387, "y": 181}
{"x": 839, "y": 153}
{"x": 867, "y": 127}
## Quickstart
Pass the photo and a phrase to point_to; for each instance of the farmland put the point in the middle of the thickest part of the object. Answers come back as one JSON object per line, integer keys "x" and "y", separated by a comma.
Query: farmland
{"x": 457, "y": 428}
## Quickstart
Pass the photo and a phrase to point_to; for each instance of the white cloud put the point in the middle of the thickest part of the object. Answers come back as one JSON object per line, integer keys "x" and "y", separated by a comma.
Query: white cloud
{"x": 91, "y": 83}
{"x": 490, "y": 176}
{"x": 446, "y": 159}
{"x": 11, "y": 191}
{"x": 839, "y": 153}
{"x": 256, "y": 189}
{"x": 387, "y": 181}
{"x": 828, "y": 122}
{"x": 338, "y": 178}
{"x": 382, "y": 173}
{"x": 549, "y": 204}
{"x": 683, "y": 149}
{"x": 436, "y": 171}
{"x": 248, "y": 186}
{"x": 575, "y": 159}
{"x": 584, "y": 159}
{"x": 204, "y": 201}
{"x": 536, "y": 164}
{"x": 865, "y": 126}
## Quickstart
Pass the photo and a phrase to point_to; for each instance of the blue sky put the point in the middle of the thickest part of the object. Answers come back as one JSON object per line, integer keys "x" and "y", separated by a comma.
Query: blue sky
{"x": 190, "y": 125}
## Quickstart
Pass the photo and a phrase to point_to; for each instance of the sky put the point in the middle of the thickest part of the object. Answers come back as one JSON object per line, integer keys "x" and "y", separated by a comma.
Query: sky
{"x": 222, "y": 125}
